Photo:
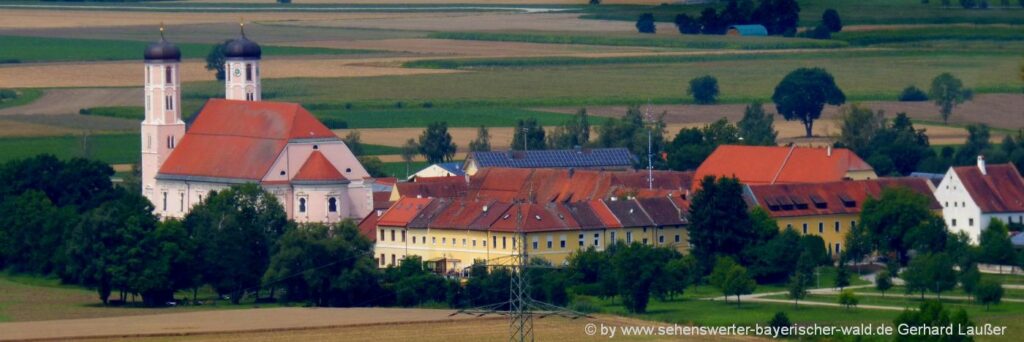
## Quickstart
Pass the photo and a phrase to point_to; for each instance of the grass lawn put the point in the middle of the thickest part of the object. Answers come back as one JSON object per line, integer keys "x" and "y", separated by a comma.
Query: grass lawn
{"x": 958, "y": 33}
{"x": 899, "y": 290}
{"x": 25, "y": 96}
{"x": 720, "y": 313}
{"x": 32, "y": 298}
{"x": 1005, "y": 278}
{"x": 128, "y": 112}
{"x": 861, "y": 78}
{"x": 19, "y": 49}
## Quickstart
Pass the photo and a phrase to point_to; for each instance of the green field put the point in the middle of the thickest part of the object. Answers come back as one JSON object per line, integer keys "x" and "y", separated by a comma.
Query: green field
{"x": 122, "y": 148}
{"x": 20, "y": 49}
{"x": 455, "y": 117}
{"x": 852, "y": 12}
{"x": 132, "y": 113}
{"x": 956, "y": 33}
{"x": 398, "y": 169}
{"x": 869, "y": 77}
{"x": 25, "y": 96}
{"x": 681, "y": 41}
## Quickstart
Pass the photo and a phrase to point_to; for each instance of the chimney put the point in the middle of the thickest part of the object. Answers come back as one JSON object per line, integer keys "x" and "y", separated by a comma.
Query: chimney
{"x": 485, "y": 208}
{"x": 981, "y": 165}
{"x": 828, "y": 150}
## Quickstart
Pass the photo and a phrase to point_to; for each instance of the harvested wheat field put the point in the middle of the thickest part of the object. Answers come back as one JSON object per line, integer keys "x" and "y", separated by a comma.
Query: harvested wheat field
{"x": 129, "y": 73}
{"x": 481, "y": 21}
{"x": 10, "y": 128}
{"x": 69, "y": 101}
{"x": 449, "y": 47}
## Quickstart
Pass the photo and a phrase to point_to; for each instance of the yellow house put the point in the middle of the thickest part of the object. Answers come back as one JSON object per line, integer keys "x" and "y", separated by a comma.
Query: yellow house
{"x": 451, "y": 234}
{"x": 830, "y": 209}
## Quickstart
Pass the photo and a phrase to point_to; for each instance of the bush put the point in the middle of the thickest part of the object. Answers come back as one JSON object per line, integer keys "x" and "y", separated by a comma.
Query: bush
{"x": 830, "y": 19}
{"x": 583, "y": 304}
{"x": 848, "y": 299}
{"x": 334, "y": 123}
{"x": 645, "y": 24}
{"x": 7, "y": 94}
{"x": 819, "y": 32}
{"x": 704, "y": 89}
{"x": 968, "y": 3}
{"x": 428, "y": 104}
{"x": 687, "y": 25}
{"x": 780, "y": 320}
{"x": 913, "y": 94}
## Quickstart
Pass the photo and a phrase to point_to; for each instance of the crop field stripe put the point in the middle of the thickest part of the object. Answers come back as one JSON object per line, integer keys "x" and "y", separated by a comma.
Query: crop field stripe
{"x": 564, "y": 61}
{"x": 23, "y": 49}
{"x": 687, "y": 41}
{"x": 862, "y": 38}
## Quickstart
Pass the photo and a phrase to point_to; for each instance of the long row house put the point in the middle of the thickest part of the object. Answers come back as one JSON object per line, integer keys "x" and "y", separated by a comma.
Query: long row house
{"x": 452, "y": 222}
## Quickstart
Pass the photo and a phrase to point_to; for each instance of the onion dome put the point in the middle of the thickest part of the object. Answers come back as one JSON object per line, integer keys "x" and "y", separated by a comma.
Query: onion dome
{"x": 162, "y": 50}
{"x": 242, "y": 47}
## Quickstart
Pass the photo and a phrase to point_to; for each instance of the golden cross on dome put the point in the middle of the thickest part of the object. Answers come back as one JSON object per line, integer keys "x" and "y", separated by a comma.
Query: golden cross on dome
{"x": 241, "y": 25}
{"x": 161, "y": 30}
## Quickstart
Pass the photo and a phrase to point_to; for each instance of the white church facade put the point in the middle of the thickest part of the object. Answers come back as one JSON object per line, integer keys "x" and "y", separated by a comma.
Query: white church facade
{"x": 242, "y": 139}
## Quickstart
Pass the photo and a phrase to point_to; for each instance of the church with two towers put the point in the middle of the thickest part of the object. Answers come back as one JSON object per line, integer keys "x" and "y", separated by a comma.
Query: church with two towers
{"x": 242, "y": 139}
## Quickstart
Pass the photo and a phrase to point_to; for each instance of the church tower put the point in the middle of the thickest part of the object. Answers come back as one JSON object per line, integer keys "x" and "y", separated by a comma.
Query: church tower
{"x": 242, "y": 69}
{"x": 162, "y": 128}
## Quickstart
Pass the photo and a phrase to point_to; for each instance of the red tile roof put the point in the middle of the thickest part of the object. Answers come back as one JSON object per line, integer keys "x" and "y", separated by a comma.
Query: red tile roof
{"x": 318, "y": 169}
{"x": 564, "y": 185}
{"x": 1000, "y": 190}
{"x": 368, "y": 226}
{"x": 403, "y": 211}
{"x": 780, "y": 164}
{"x": 240, "y": 139}
{"x": 662, "y": 211}
{"x": 629, "y": 213}
{"x": 439, "y": 187}
{"x": 535, "y": 218}
{"x": 831, "y": 198}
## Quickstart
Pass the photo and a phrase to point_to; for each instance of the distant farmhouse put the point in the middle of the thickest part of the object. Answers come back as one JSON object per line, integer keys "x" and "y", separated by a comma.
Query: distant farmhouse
{"x": 972, "y": 196}
{"x": 241, "y": 139}
{"x": 578, "y": 158}
{"x": 440, "y": 170}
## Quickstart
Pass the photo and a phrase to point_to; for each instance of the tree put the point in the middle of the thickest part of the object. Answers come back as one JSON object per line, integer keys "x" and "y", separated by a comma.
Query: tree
{"x": 780, "y": 321}
{"x": 757, "y": 127}
{"x": 354, "y": 142}
{"x": 572, "y": 133}
{"x": 968, "y": 4}
{"x": 645, "y": 24}
{"x": 931, "y": 272}
{"x": 883, "y": 281}
{"x": 373, "y": 165}
{"x": 710, "y": 22}
{"x": 797, "y": 287}
{"x": 977, "y": 143}
{"x": 719, "y": 220}
{"x": 804, "y": 92}
{"x": 775, "y": 259}
{"x": 631, "y": 132}
{"x": 676, "y": 276}
{"x": 691, "y": 146}
{"x": 969, "y": 279}
{"x": 215, "y": 59}
{"x": 780, "y": 17}
{"x": 704, "y": 89}
{"x": 532, "y": 131}
{"x": 409, "y": 151}
{"x": 435, "y": 144}
{"x": 732, "y": 279}
{"x": 101, "y": 249}
{"x": 686, "y": 24}
{"x": 948, "y": 91}
{"x": 830, "y": 19}
{"x": 931, "y": 314}
{"x": 234, "y": 230}
{"x": 33, "y": 230}
{"x": 915, "y": 277}
{"x": 858, "y": 127}
{"x": 482, "y": 143}
{"x": 913, "y": 94}
{"x": 637, "y": 267}
{"x": 858, "y": 245}
{"x": 891, "y": 217}
{"x": 848, "y": 299}
{"x": 168, "y": 263}
{"x": 589, "y": 273}
{"x": 842, "y": 277}
{"x": 988, "y": 292}
{"x": 995, "y": 246}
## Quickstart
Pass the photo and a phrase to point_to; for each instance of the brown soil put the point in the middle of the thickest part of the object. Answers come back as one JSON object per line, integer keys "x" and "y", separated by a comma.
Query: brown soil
{"x": 128, "y": 73}
{"x": 69, "y": 101}
{"x": 10, "y": 128}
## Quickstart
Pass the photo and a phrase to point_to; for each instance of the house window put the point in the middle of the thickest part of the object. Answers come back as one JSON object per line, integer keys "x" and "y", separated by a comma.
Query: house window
{"x": 954, "y": 223}
{"x": 562, "y": 243}
{"x": 403, "y": 236}
{"x": 677, "y": 238}
{"x": 514, "y": 243}
{"x": 484, "y": 242}
{"x": 444, "y": 241}
{"x": 248, "y": 72}
{"x": 332, "y": 205}
{"x": 629, "y": 237}
{"x": 169, "y": 75}
{"x": 581, "y": 240}
{"x": 597, "y": 239}
{"x": 302, "y": 205}
{"x": 495, "y": 244}
{"x": 168, "y": 102}
{"x": 474, "y": 242}
{"x": 970, "y": 222}
{"x": 853, "y": 224}
{"x": 504, "y": 242}
{"x": 392, "y": 260}
{"x": 837, "y": 226}
{"x": 661, "y": 239}
{"x": 382, "y": 259}
{"x": 645, "y": 241}
{"x": 821, "y": 227}
{"x": 181, "y": 201}
{"x": 805, "y": 229}
{"x": 433, "y": 240}
{"x": 613, "y": 237}
{"x": 947, "y": 204}
{"x": 392, "y": 235}
{"x": 837, "y": 248}
{"x": 381, "y": 235}
{"x": 165, "y": 201}
{"x": 535, "y": 243}
{"x": 463, "y": 242}
{"x": 549, "y": 242}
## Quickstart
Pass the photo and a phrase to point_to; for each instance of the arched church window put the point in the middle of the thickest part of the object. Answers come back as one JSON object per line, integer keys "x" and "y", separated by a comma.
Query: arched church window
{"x": 332, "y": 205}
{"x": 169, "y": 75}
{"x": 302, "y": 205}
{"x": 248, "y": 72}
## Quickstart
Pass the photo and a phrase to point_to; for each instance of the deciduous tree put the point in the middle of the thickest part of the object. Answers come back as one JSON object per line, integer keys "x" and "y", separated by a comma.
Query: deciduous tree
{"x": 804, "y": 92}
{"x": 435, "y": 144}
{"x": 482, "y": 143}
{"x": 948, "y": 91}
{"x": 704, "y": 89}
{"x": 732, "y": 279}
{"x": 757, "y": 127}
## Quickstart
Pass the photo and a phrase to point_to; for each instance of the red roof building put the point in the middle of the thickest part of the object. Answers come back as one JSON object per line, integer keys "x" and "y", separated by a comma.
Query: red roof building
{"x": 781, "y": 164}
{"x": 973, "y": 196}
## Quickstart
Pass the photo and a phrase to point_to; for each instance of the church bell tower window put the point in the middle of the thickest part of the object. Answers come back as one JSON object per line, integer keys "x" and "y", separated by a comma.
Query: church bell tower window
{"x": 169, "y": 75}
{"x": 248, "y": 72}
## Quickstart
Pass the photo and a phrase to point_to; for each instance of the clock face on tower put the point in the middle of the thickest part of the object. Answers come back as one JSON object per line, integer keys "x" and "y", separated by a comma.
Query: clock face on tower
{"x": 238, "y": 72}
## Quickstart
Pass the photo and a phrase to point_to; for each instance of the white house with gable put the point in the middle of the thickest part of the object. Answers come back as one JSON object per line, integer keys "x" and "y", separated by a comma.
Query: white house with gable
{"x": 971, "y": 196}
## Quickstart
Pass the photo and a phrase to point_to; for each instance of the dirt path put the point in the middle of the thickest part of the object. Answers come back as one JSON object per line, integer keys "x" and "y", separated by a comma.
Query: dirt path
{"x": 69, "y": 101}
{"x": 205, "y": 322}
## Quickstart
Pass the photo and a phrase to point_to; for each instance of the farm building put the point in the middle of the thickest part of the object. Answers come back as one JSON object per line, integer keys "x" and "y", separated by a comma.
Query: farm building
{"x": 747, "y": 30}
{"x": 971, "y": 196}
{"x": 440, "y": 170}
{"x": 781, "y": 164}
{"x": 829, "y": 210}
{"x": 578, "y": 158}
{"x": 241, "y": 139}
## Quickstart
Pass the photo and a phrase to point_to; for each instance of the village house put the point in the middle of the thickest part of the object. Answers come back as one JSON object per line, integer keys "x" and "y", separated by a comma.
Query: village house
{"x": 829, "y": 210}
{"x": 241, "y": 139}
{"x": 972, "y": 196}
{"x": 783, "y": 164}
